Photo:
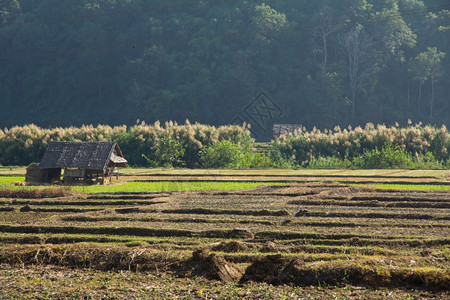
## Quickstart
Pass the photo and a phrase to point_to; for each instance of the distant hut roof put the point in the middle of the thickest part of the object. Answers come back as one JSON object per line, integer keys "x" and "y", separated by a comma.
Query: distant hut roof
{"x": 84, "y": 155}
{"x": 281, "y": 129}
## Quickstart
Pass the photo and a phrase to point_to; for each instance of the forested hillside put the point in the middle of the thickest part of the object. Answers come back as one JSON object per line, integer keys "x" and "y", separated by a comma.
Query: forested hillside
{"x": 322, "y": 63}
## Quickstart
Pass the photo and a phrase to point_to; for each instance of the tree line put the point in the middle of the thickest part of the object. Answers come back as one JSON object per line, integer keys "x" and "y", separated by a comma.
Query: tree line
{"x": 322, "y": 63}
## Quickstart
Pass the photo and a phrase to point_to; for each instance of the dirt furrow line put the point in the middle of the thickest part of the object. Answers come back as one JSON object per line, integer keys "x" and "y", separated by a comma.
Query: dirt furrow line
{"x": 387, "y": 215}
{"x": 371, "y": 203}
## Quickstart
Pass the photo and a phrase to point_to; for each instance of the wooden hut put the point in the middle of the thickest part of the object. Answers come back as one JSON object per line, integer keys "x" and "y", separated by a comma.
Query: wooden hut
{"x": 83, "y": 160}
{"x": 281, "y": 129}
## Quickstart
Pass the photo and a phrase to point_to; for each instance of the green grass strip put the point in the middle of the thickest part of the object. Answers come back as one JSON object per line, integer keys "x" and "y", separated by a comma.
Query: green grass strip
{"x": 173, "y": 186}
{"x": 147, "y": 187}
{"x": 5, "y": 180}
{"x": 169, "y": 186}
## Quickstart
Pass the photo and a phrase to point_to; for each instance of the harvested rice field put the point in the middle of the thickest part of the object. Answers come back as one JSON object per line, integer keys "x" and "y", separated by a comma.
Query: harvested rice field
{"x": 309, "y": 240}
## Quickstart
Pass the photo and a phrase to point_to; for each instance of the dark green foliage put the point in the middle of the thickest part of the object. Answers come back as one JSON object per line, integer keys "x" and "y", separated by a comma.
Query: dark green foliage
{"x": 224, "y": 154}
{"x": 167, "y": 153}
{"x": 386, "y": 158}
{"x": 69, "y": 63}
{"x": 389, "y": 157}
{"x": 329, "y": 162}
{"x": 256, "y": 161}
{"x": 280, "y": 155}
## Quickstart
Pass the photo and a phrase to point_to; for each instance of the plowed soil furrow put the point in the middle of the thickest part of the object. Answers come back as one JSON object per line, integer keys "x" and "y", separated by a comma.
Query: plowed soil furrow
{"x": 132, "y": 231}
{"x": 33, "y": 239}
{"x": 402, "y": 197}
{"x": 365, "y": 224}
{"x": 411, "y": 216}
{"x": 126, "y": 196}
{"x": 140, "y": 231}
{"x": 373, "y": 203}
{"x": 212, "y": 220}
{"x": 6, "y": 209}
{"x": 79, "y": 203}
{"x": 83, "y": 219}
{"x": 204, "y": 211}
{"x": 28, "y": 209}
{"x": 379, "y": 242}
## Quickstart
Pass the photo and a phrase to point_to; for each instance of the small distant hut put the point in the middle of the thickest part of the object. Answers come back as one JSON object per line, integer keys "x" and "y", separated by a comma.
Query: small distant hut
{"x": 85, "y": 160}
{"x": 282, "y": 129}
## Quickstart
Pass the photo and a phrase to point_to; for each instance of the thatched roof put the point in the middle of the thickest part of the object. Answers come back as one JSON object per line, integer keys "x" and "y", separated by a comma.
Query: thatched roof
{"x": 85, "y": 155}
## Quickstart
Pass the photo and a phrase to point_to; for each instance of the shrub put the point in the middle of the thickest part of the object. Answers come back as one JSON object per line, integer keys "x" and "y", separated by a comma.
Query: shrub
{"x": 280, "y": 155}
{"x": 388, "y": 157}
{"x": 224, "y": 154}
{"x": 428, "y": 161}
{"x": 330, "y": 162}
{"x": 256, "y": 161}
{"x": 167, "y": 153}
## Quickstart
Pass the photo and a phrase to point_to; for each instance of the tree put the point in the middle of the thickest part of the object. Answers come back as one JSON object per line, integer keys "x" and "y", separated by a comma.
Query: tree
{"x": 9, "y": 11}
{"x": 393, "y": 33}
{"x": 322, "y": 32}
{"x": 357, "y": 44}
{"x": 434, "y": 58}
{"x": 419, "y": 70}
{"x": 428, "y": 65}
{"x": 268, "y": 22}
{"x": 323, "y": 62}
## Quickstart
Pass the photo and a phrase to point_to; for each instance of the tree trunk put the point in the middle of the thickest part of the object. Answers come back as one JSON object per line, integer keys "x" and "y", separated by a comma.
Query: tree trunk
{"x": 432, "y": 99}
{"x": 418, "y": 98}
{"x": 409, "y": 96}
{"x": 357, "y": 44}
{"x": 353, "y": 102}
{"x": 325, "y": 46}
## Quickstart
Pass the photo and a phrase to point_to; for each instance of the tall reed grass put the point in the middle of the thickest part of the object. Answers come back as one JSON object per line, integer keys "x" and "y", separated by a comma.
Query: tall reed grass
{"x": 21, "y": 145}
{"x": 346, "y": 144}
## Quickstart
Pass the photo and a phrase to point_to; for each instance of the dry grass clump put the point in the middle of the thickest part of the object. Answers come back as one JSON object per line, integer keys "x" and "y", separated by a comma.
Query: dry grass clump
{"x": 35, "y": 193}
{"x": 211, "y": 266}
{"x": 231, "y": 247}
{"x": 84, "y": 255}
{"x": 276, "y": 269}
